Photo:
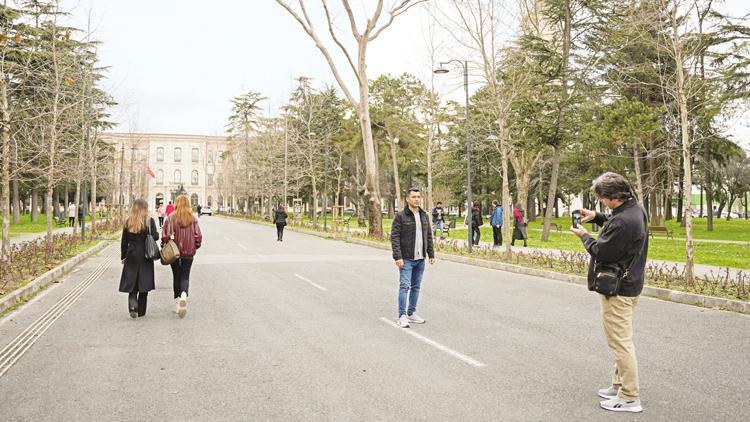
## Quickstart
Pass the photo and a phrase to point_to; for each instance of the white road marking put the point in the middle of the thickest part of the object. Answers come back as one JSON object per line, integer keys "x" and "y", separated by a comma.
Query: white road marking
{"x": 311, "y": 283}
{"x": 242, "y": 246}
{"x": 227, "y": 238}
{"x": 433, "y": 343}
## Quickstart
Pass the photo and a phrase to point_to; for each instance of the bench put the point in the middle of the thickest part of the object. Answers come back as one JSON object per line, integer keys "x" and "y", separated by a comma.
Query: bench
{"x": 653, "y": 230}
{"x": 60, "y": 221}
{"x": 343, "y": 221}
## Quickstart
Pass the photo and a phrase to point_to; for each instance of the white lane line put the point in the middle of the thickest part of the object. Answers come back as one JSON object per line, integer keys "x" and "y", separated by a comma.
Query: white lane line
{"x": 460, "y": 356}
{"x": 227, "y": 238}
{"x": 311, "y": 283}
{"x": 242, "y": 246}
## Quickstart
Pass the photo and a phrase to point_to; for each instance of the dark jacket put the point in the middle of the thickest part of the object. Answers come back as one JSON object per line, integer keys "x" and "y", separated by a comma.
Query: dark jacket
{"x": 476, "y": 218}
{"x": 403, "y": 235}
{"x": 438, "y": 214}
{"x": 624, "y": 234}
{"x": 279, "y": 217}
{"x": 137, "y": 269}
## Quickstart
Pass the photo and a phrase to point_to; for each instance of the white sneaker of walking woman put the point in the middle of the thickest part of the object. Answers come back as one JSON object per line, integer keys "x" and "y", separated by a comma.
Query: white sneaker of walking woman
{"x": 182, "y": 305}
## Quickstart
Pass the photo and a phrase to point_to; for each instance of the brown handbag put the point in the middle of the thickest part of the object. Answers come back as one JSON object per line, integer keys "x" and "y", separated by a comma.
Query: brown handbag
{"x": 170, "y": 253}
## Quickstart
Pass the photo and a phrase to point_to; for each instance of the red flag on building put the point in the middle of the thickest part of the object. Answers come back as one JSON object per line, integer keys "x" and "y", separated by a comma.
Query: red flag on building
{"x": 150, "y": 172}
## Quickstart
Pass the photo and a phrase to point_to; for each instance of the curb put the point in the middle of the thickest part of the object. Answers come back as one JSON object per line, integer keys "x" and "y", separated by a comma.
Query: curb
{"x": 668, "y": 295}
{"x": 44, "y": 280}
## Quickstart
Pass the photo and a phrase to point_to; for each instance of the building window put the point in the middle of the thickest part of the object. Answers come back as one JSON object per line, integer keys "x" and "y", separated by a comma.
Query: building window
{"x": 177, "y": 155}
{"x": 194, "y": 200}
{"x": 210, "y": 179}
{"x": 159, "y": 177}
{"x": 177, "y": 176}
{"x": 160, "y": 154}
{"x": 210, "y": 157}
{"x": 194, "y": 177}
{"x": 194, "y": 155}
{"x": 221, "y": 155}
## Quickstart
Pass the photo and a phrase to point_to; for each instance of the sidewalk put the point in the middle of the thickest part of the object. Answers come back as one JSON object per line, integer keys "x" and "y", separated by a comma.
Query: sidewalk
{"x": 26, "y": 237}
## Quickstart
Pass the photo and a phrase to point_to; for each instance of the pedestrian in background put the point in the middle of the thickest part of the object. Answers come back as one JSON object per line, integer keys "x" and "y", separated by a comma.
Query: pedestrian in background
{"x": 170, "y": 209}
{"x": 411, "y": 242}
{"x": 620, "y": 249}
{"x": 182, "y": 227}
{"x": 476, "y": 223}
{"x": 199, "y": 211}
{"x": 438, "y": 220}
{"x": 279, "y": 219}
{"x": 71, "y": 213}
{"x": 160, "y": 214}
{"x": 497, "y": 223}
{"x": 137, "y": 278}
{"x": 519, "y": 225}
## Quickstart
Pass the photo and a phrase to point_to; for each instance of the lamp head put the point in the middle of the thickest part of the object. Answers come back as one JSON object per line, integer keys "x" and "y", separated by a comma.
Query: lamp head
{"x": 441, "y": 69}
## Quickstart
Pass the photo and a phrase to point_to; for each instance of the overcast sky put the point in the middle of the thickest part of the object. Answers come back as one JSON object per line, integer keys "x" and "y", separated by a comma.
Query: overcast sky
{"x": 174, "y": 65}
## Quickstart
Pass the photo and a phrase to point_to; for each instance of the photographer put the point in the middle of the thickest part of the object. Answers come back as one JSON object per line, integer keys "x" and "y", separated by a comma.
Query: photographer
{"x": 616, "y": 269}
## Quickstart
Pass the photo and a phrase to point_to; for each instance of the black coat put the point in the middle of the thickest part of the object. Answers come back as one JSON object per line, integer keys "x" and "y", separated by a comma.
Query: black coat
{"x": 137, "y": 269}
{"x": 403, "y": 235}
{"x": 279, "y": 217}
{"x": 624, "y": 234}
{"x": 476, "y": 218}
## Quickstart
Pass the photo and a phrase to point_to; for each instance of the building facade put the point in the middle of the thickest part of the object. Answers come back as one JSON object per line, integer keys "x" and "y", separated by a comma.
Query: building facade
{"x": 158, "y": 167}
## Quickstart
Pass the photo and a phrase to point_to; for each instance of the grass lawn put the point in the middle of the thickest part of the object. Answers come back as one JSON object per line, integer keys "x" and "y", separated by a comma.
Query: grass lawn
{"x": 719, "y": 254}
{"x": 734, "y": 229}
{"x": 26, "y": 226}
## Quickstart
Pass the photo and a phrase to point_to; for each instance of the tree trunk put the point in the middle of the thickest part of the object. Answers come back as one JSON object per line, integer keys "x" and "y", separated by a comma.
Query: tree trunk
{"x": 653, "y": 202}
{"x": 506, "y": 187}
{"x": 681, "y": 194}
{"x": 709, "y": 193}
{"x": 16, "y": 202}
{"x": 6, "y": 157}
{"x": 77, "y": 196}
{"x": 638, "y": 176}
{"x": 92, "y": 209}
{"x": 552, "y": 193}
{"x": 396, "y": 179}
{"x": 687, "y": 167}
{"x": 34, "y": 204}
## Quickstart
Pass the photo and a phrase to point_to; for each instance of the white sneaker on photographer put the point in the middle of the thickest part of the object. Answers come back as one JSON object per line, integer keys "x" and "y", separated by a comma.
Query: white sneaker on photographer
{"x": 403, "y": 321}
{"x": 415, "y": 319}
{"x": 618, "y": 404}
{"x": 182, "y": 305}
{"x": 609, "y": 393}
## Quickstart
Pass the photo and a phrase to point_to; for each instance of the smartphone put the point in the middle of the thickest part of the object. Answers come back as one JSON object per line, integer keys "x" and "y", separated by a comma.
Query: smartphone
{"x": 576, "y": 218}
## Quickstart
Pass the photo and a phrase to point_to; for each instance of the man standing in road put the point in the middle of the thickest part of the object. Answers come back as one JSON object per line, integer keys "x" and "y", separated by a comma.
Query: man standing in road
{"x": 497, "y": 223}
{"x": 621, "y": 249}
{"x": 411, "y": 242}
{"x": 438, "y": 219}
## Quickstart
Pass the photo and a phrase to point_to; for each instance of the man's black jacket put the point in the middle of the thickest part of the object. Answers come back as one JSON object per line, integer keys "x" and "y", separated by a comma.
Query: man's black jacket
{"x": 624, "y": 234}
{"x": 403, "y": 235}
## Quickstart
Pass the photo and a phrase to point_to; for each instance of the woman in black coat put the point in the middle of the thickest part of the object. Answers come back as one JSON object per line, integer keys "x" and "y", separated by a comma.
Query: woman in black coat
{"x": 519, "y": 226}
{"x": 279, "y": 218}
{"x": 137, "y": 272}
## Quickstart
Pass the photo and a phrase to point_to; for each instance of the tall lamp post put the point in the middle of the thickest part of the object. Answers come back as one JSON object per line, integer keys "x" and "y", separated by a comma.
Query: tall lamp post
{"x": 442, "y": 70}
{"x": 325, "y": 185}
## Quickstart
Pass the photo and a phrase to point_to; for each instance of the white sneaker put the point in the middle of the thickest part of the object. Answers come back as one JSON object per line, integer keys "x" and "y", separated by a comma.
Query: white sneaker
{"x": 608, "y": 393}
{"x": 176, "y": 305}
{"x": 182, "y": 305}
{"x": 403, "y": 321}
{"x": 416, "y": 319}
{"x": 619, "y": 404}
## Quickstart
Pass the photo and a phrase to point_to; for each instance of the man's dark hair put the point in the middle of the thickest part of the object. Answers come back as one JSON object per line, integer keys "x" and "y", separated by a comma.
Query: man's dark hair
{"x": 439, "y": 203}
{"x": 413, "y": 190}
{"x": 612, "y": 186}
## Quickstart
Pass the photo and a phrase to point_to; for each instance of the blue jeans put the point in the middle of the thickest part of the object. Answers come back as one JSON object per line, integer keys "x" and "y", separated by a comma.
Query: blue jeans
{"x": 410, "y": 278}
{"x": 438, "y": 226}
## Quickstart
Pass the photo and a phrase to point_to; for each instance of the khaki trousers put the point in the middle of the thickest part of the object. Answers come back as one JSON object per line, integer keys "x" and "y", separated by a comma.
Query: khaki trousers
{"x": 617, "y": 316}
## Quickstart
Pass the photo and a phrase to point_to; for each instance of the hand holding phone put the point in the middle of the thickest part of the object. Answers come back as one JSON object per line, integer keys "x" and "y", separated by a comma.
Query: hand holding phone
{"x": 576, "y": 218}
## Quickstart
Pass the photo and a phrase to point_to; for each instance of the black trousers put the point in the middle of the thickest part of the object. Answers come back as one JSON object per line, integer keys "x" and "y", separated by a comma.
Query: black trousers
{"x": 476, "y": 235}
{"x": 497, "y": 233}
{"x": 280, "y": 231}
{"x": 181, "y": 276}
{"x": 138, "y": 300}
{"x": 71, "y": 220}
{"x": 161, "y": 221}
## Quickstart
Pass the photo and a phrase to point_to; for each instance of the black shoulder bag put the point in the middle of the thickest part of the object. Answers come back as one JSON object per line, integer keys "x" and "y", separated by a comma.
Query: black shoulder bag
{"x": 608, "y": 278}
{"x": 152, "y": 249}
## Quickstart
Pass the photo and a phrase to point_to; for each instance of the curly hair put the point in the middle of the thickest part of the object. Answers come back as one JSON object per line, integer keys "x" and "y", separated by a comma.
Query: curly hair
{"x": 612, "y": 186}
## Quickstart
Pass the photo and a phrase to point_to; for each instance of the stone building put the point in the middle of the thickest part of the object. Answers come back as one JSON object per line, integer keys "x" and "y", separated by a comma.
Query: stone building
{"x": 157, "y": 167}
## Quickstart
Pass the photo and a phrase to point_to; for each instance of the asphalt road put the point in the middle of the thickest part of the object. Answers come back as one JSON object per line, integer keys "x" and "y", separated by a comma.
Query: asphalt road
{"x": 302, "y": 330}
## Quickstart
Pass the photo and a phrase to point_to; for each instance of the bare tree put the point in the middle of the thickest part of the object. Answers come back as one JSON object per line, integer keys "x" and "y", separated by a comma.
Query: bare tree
{"x": 372, "y": 29}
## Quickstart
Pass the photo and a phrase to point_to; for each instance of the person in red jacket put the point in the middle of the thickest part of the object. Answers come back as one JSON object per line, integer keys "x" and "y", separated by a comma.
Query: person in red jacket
{"x": 182, "y": 227}
{"x": 170, "y": 208}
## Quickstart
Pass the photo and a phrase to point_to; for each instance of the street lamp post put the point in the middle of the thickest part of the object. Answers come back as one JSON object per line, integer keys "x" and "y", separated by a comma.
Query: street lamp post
{"x": 325, "y": 186}
{"x": 442, "y": 70}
